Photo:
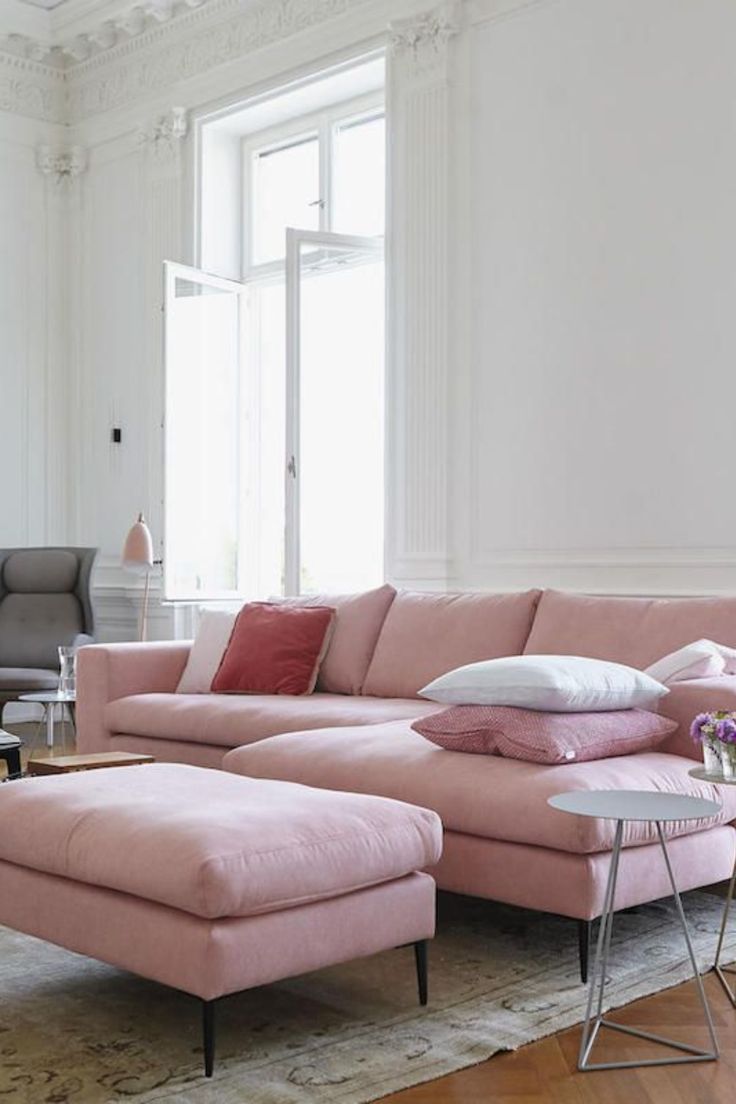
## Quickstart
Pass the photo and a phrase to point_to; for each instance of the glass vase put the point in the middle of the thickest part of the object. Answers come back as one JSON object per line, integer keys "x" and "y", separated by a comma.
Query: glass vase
{"x": 712, "y": 756}
{"x": 68, "y": 671}
{"x": 728, "y": 761}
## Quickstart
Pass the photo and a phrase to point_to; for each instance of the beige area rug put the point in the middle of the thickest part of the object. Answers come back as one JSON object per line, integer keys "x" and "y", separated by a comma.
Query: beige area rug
{"x": 73, "y": 1031}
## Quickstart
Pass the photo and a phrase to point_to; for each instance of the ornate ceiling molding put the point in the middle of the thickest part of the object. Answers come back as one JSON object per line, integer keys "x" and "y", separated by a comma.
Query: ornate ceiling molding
{"x": 103, "y": 36}
{"x": 157, "y": 53}
{"x": 200, "y": 43}
{"x": 30, "y": 89}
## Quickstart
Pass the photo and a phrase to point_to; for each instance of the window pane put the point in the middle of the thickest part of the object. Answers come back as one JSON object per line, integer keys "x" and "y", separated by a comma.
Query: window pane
{"x": 202, "y": 450}
{"x": 359, "y": 179}
{"x": 286, "y": 193}
{"x": 341, "y": 481}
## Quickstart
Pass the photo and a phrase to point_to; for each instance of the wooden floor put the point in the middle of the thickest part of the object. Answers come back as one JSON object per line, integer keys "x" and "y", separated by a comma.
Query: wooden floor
{"x": 546, "y": 1072}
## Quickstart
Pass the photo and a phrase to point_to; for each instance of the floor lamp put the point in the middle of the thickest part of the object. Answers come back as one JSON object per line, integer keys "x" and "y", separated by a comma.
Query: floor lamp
{"x": 138, "y": 558}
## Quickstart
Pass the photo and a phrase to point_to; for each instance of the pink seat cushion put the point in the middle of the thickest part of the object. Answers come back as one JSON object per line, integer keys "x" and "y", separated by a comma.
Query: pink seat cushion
{"x": 426, "y": 635}
{"x": 636, "y": 631}
{"x": 210, "y": 843}
{"x": 358, "y": 622}
{"x": 229, "y": 721}
{"x": 539, "y": 737}
{"x": 480, "y": 795}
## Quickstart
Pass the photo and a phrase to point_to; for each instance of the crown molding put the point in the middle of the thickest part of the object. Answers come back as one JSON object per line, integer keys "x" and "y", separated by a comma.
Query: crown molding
{"x": 208, "y": 37}
{"x": 75, "y": 82}
{"x": 31, "y": 89}
{"x": 66, "y": 42}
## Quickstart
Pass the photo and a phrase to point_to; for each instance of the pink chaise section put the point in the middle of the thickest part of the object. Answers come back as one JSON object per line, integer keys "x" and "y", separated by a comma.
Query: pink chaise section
{"x": 478, "y": 795}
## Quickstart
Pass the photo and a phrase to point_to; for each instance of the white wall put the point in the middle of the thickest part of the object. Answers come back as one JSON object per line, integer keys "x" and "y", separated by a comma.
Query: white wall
{"x": 563, "y": 178}
{"x": 603, "y": 286}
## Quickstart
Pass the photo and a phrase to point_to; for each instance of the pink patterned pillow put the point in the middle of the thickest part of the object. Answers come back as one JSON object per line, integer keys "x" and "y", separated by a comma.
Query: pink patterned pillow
{"x": 539, "y": 737}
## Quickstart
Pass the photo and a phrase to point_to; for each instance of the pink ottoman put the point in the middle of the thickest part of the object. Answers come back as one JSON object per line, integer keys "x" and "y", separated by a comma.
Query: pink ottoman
{"x": 213, "y": 882}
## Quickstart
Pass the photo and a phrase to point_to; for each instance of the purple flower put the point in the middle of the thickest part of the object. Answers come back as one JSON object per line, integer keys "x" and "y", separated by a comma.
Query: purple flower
{"x": 726, "y": 730}
{"x": 696, "y": 728}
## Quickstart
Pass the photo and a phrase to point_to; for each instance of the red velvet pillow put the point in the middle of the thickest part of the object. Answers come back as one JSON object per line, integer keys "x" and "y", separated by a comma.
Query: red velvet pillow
{"x": 274, "y": 650}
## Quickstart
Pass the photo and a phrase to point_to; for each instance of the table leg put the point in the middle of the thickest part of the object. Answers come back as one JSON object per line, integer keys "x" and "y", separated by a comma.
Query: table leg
{"x": 591, "y": 1029}
{"x": 49, "y": 724}
{"x": 598, "y": 976}
{"x": 720, "y": 972}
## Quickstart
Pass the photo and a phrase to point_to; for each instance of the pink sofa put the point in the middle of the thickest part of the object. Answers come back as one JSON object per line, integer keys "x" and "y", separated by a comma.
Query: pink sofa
{"x": 502, "y": 841}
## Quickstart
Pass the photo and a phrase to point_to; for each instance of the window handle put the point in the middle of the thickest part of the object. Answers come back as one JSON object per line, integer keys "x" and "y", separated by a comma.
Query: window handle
{"x": 291, "y": 467}
{"x": 316, "y": 203}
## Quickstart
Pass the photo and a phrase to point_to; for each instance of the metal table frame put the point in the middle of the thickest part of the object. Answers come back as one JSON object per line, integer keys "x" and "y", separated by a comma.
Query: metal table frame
{"x": 655, "y": 808}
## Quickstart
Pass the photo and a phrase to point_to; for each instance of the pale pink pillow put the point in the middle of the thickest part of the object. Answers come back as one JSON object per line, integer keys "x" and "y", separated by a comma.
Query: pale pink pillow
{"x": 539, "y": 737}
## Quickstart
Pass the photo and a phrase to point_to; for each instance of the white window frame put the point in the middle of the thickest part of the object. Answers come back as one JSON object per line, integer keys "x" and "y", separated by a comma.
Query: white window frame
{"x": 365, "y": 247}
{"x": 173, "y": 271}
{"x": 323, "y": 125}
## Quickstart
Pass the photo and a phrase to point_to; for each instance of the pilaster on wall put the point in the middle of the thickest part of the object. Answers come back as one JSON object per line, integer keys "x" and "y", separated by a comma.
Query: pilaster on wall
{"x": 62, "y": 169}
{"x": 161, "y": 143}
{"x": 419, "y": 87}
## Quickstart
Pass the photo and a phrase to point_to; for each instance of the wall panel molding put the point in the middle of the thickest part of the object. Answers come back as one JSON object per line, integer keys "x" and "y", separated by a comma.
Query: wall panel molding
{"x": 418, "y": 325}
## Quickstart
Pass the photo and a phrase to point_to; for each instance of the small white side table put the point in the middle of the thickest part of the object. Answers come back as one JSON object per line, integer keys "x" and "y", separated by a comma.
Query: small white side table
{"x": 49, "y": 699}
{"x": 654, "y": 808}
{"x": 704, "y": 776}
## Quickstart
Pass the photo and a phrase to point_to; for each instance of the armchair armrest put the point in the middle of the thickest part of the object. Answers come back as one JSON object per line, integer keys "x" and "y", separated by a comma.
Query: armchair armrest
{"x": 688, "y": 698}
{"x": 106, "y": 672}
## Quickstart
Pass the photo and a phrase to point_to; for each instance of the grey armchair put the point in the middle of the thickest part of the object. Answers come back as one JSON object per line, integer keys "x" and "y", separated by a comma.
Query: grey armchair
{"x": 44, "y": 602}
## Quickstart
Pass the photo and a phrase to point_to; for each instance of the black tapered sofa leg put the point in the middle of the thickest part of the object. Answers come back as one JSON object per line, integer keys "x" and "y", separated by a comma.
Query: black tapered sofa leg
{"x": 208, "y": 1035}
{"x": 420, "y": 955}
{"x": 585, "y": 931}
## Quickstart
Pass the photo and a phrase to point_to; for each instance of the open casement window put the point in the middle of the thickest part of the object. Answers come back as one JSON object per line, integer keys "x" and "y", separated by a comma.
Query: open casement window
{"x": 203, "y": 522}
{"x": 335, "y": 412}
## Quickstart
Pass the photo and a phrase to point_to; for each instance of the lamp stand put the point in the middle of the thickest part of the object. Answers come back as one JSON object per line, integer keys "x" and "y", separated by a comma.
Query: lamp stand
{"x": 144, "y": 608}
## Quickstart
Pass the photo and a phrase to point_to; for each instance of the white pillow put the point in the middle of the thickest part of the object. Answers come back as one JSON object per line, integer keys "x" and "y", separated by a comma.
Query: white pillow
{"x": 556, "y": 684}
{"x": 213, "y": 636}
{"x": 701, "y": 659}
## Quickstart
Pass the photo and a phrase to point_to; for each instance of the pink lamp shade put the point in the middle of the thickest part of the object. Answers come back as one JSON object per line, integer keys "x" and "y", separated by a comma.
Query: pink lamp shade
{"x": 138, "y": 548}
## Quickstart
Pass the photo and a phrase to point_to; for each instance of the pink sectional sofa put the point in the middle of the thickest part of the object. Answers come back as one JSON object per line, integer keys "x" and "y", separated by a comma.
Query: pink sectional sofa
{"x": 502, "y": 840}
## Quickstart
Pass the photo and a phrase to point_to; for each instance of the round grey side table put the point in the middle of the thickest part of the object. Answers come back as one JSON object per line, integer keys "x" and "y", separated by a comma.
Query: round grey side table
{"x": 49, "y": 699}
{"x": 654, "y": 808}
{"x": 705, "y": 776}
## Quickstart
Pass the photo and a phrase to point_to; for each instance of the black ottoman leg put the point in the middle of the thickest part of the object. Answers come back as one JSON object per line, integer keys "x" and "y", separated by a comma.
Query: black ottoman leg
{"x": 208, "y": 1036}
{"x": 584, "y": 936}
{"x": 420, "y": 954}
{"x": 12, "y": 758}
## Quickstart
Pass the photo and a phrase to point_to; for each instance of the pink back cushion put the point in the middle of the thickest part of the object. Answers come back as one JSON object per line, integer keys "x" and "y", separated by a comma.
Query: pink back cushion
{"x": 538, "y": 737}
{"x": 636, "y": 631}
{"x": 425, "y": 635}
{"x": 358, "y": 621}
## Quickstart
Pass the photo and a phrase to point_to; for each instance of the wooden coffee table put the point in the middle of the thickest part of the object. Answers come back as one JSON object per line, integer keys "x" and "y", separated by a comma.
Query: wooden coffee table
{"x": 65, "y": 764}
